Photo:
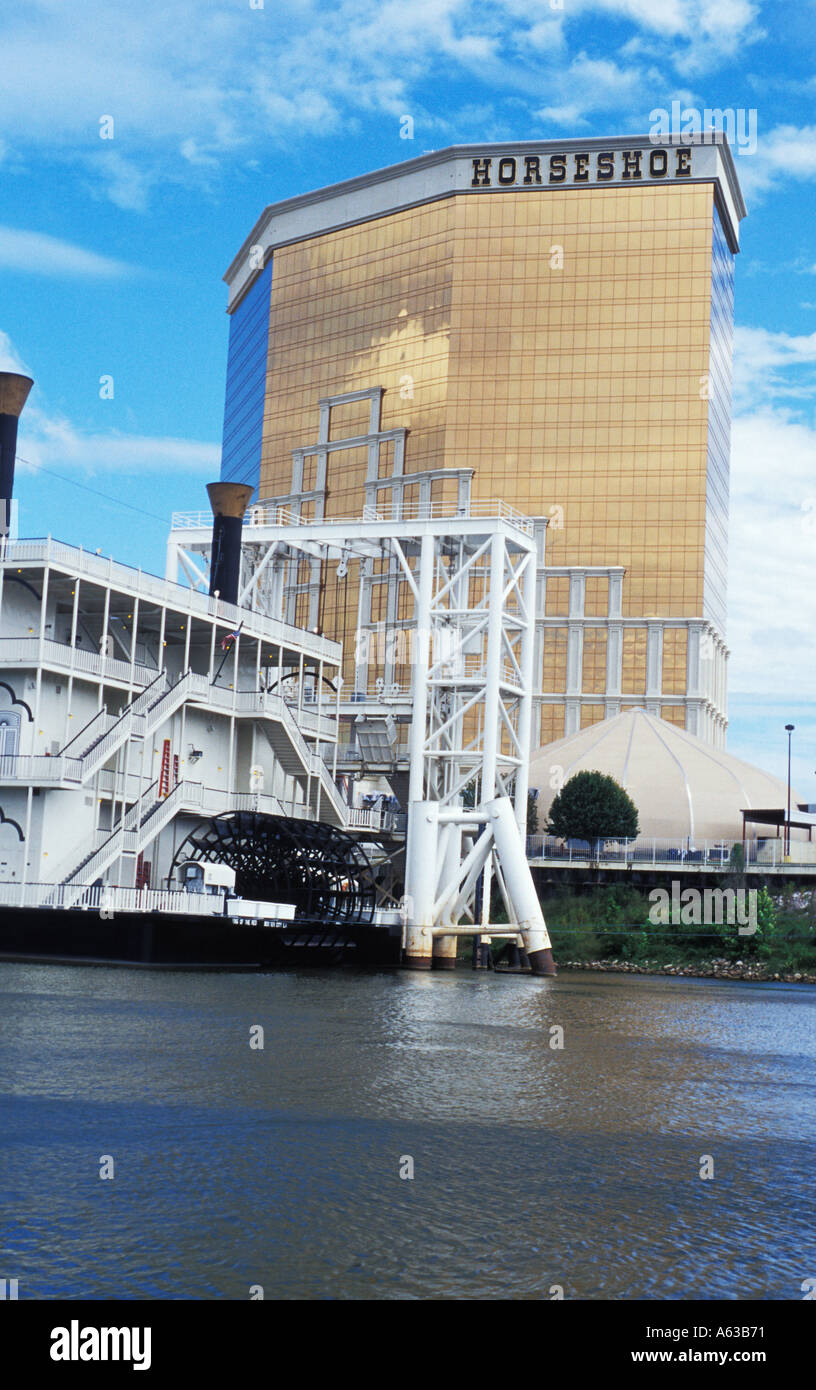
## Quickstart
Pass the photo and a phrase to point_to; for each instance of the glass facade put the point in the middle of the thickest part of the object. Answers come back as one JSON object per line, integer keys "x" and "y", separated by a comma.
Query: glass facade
{"x": 569, "y": 346}
{"x": 719, "y": 428}
{"x": 246, "y": 385}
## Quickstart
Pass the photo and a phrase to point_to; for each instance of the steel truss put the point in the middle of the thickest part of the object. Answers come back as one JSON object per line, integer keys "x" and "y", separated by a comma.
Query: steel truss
{"x": 460, "y": 598}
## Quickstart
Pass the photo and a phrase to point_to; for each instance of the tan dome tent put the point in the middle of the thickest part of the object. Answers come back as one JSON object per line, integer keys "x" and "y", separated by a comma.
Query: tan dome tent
{"x": 683, "y": 788}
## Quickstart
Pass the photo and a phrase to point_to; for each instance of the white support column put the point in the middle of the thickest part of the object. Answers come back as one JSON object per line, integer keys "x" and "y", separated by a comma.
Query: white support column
{"x": 444, "y": 947}
{"x": 133, "y": 632}
{"x": 162, "y": 630}
{"x": 422, "y": 637}
{"x": 172, "y": 562}
{"x": 520, "y": 887}
{"x": 40, "y": 639}
{"x": 420, "y": 883}
{"x": 527, "y": 593}
{"x": 493, "y": 666}
{"x": 363, "y": 625}
{"x": 70, "y": 691}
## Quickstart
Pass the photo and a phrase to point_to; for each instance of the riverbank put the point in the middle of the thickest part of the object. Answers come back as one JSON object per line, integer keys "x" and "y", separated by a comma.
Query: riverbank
{"x": 613, "y": 928}
{"x": 720, "y": 969}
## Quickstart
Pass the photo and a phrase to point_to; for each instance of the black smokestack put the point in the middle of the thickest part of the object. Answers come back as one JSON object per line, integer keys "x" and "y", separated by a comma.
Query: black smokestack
{"x": 229, "y": 502}
{"x": 14, "y": 391}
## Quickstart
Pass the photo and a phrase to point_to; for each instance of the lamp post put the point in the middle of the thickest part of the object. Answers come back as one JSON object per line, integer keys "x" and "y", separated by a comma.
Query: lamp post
{"x": 789, "y": 728}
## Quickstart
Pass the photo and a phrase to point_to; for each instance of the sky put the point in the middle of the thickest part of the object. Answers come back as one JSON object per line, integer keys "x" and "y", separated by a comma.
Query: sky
{"x": 139, "y": 144}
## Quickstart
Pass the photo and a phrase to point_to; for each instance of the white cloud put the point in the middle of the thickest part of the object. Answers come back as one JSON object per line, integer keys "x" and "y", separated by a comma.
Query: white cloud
{"x": 772, "y": 550}
{"x": 125, "y": 182}
{"x": 694, "y": 36}
{"x": 190, "y": 86}
{"x": 569, "y": 117}
{"x": 772, "y": 527}
{"x": 10, "y": 360}
{"x": 773, "y": 366}
{"x": 52, "y": 441}
{"x": 41, "y": 254}
{"x": 602, "y": 85}
{"x": 785, "y": 153}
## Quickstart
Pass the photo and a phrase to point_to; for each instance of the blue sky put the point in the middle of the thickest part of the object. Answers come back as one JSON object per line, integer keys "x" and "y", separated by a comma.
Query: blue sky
{"x": 112, "y": 250}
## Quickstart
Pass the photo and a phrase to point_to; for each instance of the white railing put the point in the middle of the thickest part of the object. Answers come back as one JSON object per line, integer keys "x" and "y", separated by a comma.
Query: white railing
{"x": 364, "y": 818}
{"x": 141, "y": 824}
{"x": 29, "y": 651}
{"x": 92, "y": 746}
{"x": 126, "y": 726}
{"x": 272, "y": 514}
{"x": 166, "y": 591}
{"x": 310, "y": 761}
{"x": 39, "y": 768}
{"x": 153, "y": 692}
{"x": 120, "y": 841}
{"x": 137, "y": 720}
{"x": 112, "y": 783}
{"x": 261, "y": 703}
{"x": 666, "y": 852}
{"x": 82, "y": 740}
{"x": 169, "y": 702}
{"x": 109, "y": 900}
{"x": 149, "y": 815}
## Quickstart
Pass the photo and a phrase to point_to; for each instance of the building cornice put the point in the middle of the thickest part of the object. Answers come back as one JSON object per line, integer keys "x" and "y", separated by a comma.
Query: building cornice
{"x": 444, "y": 173}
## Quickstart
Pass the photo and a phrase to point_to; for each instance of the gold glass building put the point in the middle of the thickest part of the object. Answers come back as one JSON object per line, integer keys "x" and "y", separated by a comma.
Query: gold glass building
{"x": 545, "y": 323}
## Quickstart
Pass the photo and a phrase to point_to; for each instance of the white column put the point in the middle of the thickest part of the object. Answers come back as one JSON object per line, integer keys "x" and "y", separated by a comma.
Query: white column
{"x": 420, "y": 882}
{"x": 422, "y": 635}
{"x": 575, "y": 659}
{"x": 520, "y": 886}
{"x": 171, "y": 565}
{"x": 527, "y": 591}
{"x": 614, "y": 660}
{"x": 444, "y": 947}
{"x": 493, "y": 666}
{"x": 654, "y": 660}
{"x": 693, "y": 686}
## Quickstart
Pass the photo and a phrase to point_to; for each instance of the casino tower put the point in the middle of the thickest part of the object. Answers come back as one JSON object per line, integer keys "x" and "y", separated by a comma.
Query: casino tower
{"x": 547, "y": 323}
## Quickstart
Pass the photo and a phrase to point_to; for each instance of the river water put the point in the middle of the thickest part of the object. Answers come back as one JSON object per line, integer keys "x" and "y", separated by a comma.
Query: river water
{"x": 535, "y": 1168}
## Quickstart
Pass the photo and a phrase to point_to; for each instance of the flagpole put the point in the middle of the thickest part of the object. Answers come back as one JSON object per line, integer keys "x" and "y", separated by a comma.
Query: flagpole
{"x": 226, "y": 652}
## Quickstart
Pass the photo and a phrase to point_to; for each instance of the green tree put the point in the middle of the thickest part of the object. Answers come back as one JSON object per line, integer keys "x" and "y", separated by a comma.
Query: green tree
{"x": 592, "y": 806}
{"x": 532, "y": 813}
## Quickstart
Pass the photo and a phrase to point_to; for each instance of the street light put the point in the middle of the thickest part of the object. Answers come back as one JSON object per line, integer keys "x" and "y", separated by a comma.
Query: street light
{"x": 789, "y": 728}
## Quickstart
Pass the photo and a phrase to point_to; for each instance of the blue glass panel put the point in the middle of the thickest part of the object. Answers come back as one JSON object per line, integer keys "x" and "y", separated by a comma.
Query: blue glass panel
{"x": 246, "y": 385}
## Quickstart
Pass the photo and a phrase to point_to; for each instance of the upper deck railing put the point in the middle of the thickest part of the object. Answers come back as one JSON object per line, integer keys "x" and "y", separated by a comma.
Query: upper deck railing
{"x": 272, "y": 514}
{"x": 166, "y": 591}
